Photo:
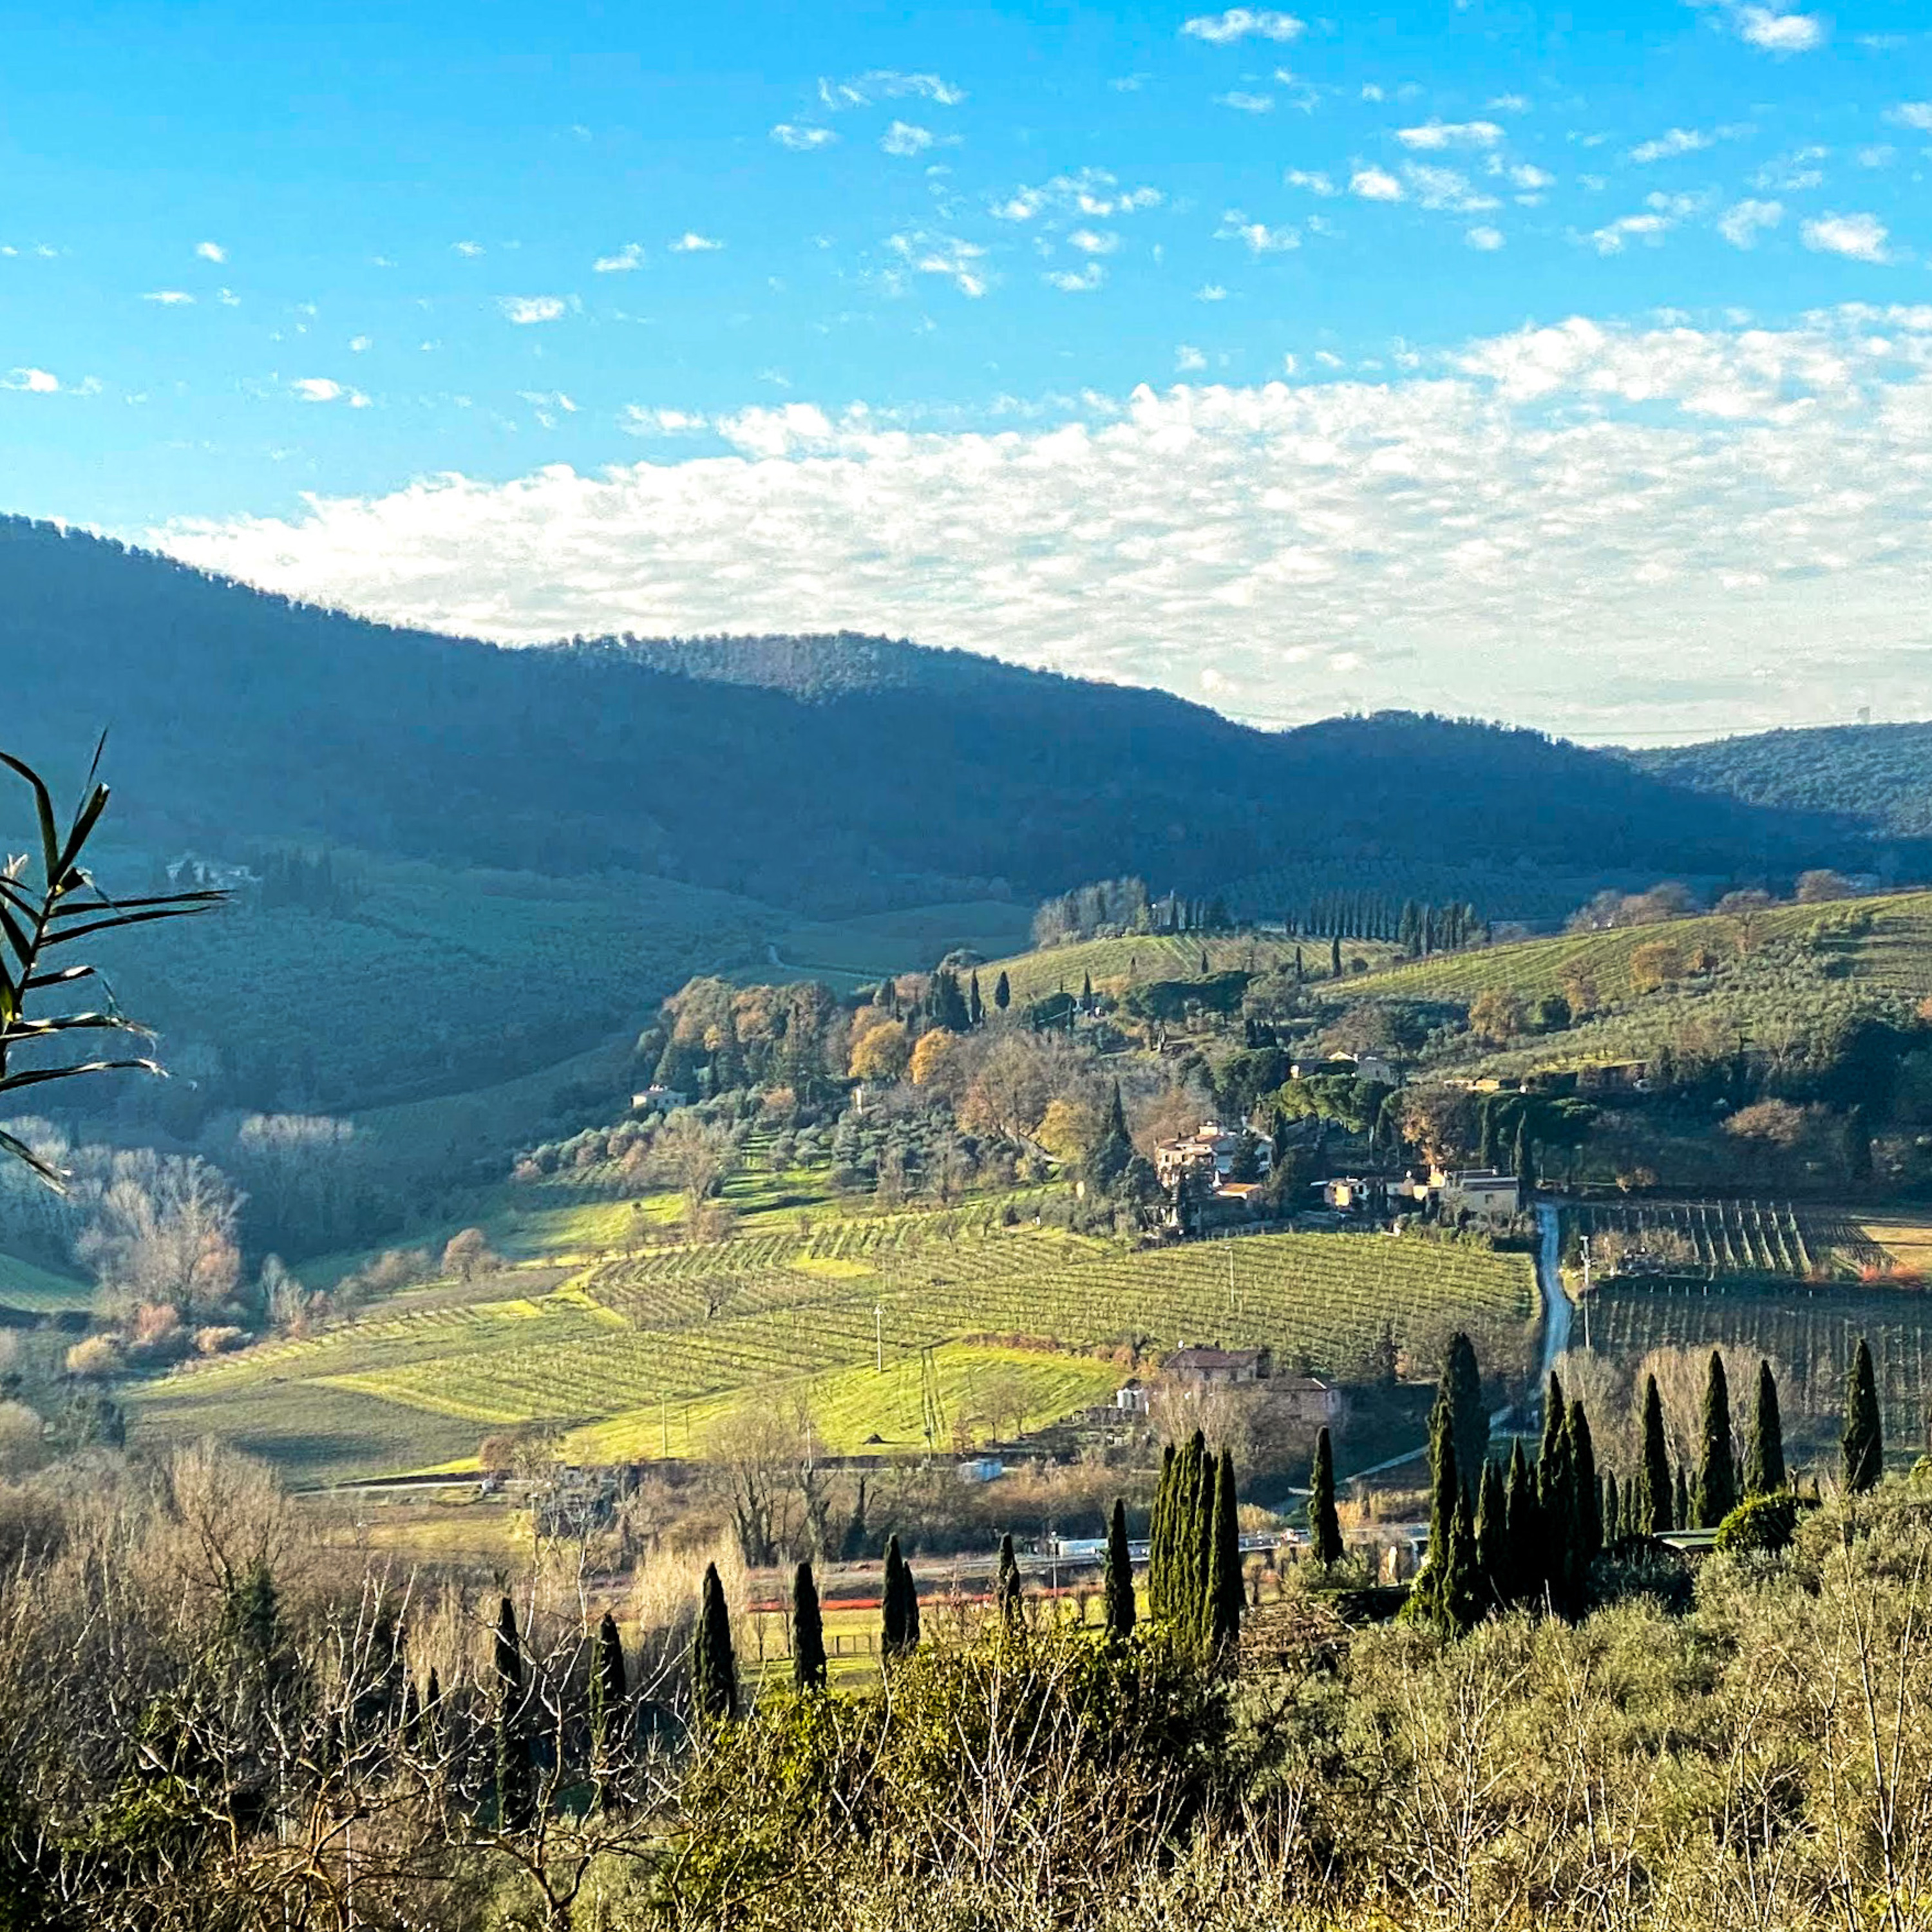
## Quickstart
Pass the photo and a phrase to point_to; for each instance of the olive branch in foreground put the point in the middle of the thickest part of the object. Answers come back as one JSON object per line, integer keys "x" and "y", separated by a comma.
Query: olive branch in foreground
{"x": 62, "y": 905}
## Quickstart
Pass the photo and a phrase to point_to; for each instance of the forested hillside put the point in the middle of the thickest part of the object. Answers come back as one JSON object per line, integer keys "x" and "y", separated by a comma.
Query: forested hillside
{"x": 1880, "y": 775}
{"x": 828, "y": 774}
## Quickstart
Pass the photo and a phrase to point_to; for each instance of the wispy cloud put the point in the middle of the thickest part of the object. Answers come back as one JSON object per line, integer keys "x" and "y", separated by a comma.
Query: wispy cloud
{"x": 33, "y": 382}
{"x": 1242, "y": 23}
{"x": 904, "y": 139}
{"x": 958, "y": 261}
{"x": 322, "y": 389}
{"x": 862, "y": 90}
{"x": 1674, "y": 142}
{"x": 1374, "y": 184}
{"x": 1076, "y": 281}
{"x": 1187, "y": 359}
{"x": 1914, "y": 114}
{"x": 802, "y": 140}
{"x": 1316, "y": 182}
{"x": 1246, "y": 103}
{"x": 1435, "y": 134}
{"x": 469, "y": 251}
{"x": 639, "y": 420}
{"x": 210, "y": 251}
{"x": 631, "y": 255}
{"x": 524, "y": 309}
{"x": 1092, "y": 194}
{"x": 692, "y": 243}
{"x": 1094, "y": 241}
{"x": 1486, "y": 239}
{"x": 170, "y": 297}
{"x": 1861, "y": 237}
{"x": 1741, "y": 225}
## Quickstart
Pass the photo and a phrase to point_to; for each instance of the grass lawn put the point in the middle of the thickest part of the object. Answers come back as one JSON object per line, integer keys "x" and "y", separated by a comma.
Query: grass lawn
{"x": 38, "y": 1291}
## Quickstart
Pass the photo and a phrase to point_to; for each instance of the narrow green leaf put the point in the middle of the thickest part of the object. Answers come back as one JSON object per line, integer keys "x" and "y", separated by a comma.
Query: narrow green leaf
{"x": 9, "y": 1082}
{"x": 115, "y": 923}
{"x": 78, "y": 833}
{"x": 43, "y": 805}
{"x": 22, "y": 1152}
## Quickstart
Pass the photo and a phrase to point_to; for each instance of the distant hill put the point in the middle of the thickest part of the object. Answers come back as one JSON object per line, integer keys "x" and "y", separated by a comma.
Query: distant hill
{"x": 825, "y": 774}
{"x": 1878, "y": 777}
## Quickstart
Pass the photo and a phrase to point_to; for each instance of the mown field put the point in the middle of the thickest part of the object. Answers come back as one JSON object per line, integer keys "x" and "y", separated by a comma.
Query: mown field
{"x": 630, "y": 1348}
{"x": 36, "y": 1291}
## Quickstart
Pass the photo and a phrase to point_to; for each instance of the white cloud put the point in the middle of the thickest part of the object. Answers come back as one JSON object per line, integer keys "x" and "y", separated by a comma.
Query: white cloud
{"x": 33, "y": 382}
{"x": 1792, "y": 173}
{"x": 631, "y": 255}
{"x": 358, "y": 344}
{"x": 170, "y": 297}
{"x": 1093, "y": 241}
{"x": 1915, "y": 114}
{"x": 321, "y": 389}
{"x": 1241, "y": 23}
{"x": 1444, "y": 188}
{"x": 1676, "y": 141}
{"x": 1071, "y": 282}
{"x": 523, "y": 309}
{"x": 1374, "y": 184}
{"x": 469, "y": 249}
{"x": 639, "y": 421}
{"x": 1862, "y": 237}
{"x": 1530, "y": 179}
{"x": 959, "y": 262}
{"x": 1316, "y": 183}
{"x": 1187, "y": 359}
{"x": 1093, "y": 193}
{"x": 903, "y": 138}
{"x": 1661, "y": 213}
{"x": 1741, "y": 225}
{"x": 210, "y": 251}
{"x": 1436, "y": 134}
{"x": 691, "y": 243}
{"x": 1670, "y": 503}
{"x": 1260, "y": 239}
{"x": 1211, "y": 291}
{"x": 1779, "y": 33}
{"x": 802, "y": 140}
{"x": 1246, "y": 103}
{"x": 886, "y": 84}
{"x": 1487, "y": 239}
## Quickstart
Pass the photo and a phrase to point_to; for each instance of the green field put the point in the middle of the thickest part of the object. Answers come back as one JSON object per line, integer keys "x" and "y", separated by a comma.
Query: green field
{"x": 628, "y": 1340}
{"x": 873, "y": 944}
{"x": 39, "y": 1290}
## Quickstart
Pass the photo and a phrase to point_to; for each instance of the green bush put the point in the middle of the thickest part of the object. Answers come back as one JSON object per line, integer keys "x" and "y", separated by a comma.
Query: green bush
{"x": 1765, "y": 1524}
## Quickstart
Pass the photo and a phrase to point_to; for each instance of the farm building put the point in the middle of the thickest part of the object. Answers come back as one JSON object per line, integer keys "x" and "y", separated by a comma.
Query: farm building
{"x": 1479, "y": 1191}
{"x": 1220, "y": 1367}
{"x": 1213, "y": 1156}
{"x": 1309, "y": 1399}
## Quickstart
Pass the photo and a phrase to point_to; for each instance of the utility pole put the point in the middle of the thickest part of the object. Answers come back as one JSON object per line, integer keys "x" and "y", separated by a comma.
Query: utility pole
{"x": 879, "y": 1337}
{"x": 1586, "y": 1292}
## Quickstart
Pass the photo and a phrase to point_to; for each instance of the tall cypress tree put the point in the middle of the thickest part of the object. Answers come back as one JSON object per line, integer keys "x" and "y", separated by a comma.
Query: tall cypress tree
{"x": 1681, "y": 1501}
{"x": 1526, "y": 1526}
{"x": 515, "y": 1795}
{"x": 1555, "y": 1501}
{"x": 1003, "y": 992}
{"x": 1655, "y": 1516}
{"x": 1587, "y": 1500}
{"x": 1223, "y": 1598}
{"x": 1325, "y": 1525}
{"x": 976, "y": 1007}
{"x": 1863, "y": 1443}
{"x": 1764, "y": 1469}
{"x": 1495, "y": 1559}
{"x": 900, "y": 1607}
{"x": 1196, "y": 1532}
{"x": 1160, "y": 1540}
{"x": 1613, "y": 1508}
{"x": 1118, "y": 1586}
{"x": 1461, "y": 1388}
{"x": 1335, "y": 956}
{"x": 714, "y": 1663}
{"x": 1717, "y": 1461}
{"x": 1445, "y": 1487}
{"x": 1525, "y": 1157}
{"x": 808, "y": 1632}
{"x": 1006, "y": 1587}
{"x": 610, "y": 1710}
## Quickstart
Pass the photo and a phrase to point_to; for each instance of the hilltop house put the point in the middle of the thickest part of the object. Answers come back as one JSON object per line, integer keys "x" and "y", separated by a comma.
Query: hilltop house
{"x": 1222, "y": 1368}
{"x": 1478, "y": 1191}
{"x": 1211, "y": 1157}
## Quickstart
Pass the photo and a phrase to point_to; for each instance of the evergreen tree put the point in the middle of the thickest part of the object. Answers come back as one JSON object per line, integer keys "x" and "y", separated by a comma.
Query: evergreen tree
{"x": 1003, "y": 992}
{"x": 1160, "y": 1539}
{"x": 1717, "y": 1463}
{"x": 714, "y": 1663}
{"x": 1007, "y": 1588}
{"x": 1223, "y": 1597}
{"x": 1324, "y": 1526}
{"x": 1335, "y": 956}
{"x": 1117, "y": 1587}
{"x": 1525, "y": 1157}
{"x": 1555, "y": 1503}
{"x": 900, "y": 1606}
{"x": 1445, "y": 1485}
{"x": 610, "y": 1708}
{"x": 1461, "y": 1390}
{"x": 515, "y": 1797}
{"x": 1764, "y": 1471}
{"x": 808, "y": 1632}
{"x": 1863, "y": 1443}
{"x": 1495, "y": 1559}
{"x": 1681, "y": 1503}
{"x": 1526, "y": 1526}
{"x": 1613, "y": 1508}
{"x": 1655, "y": 1513}
{"x": 1586, "y": 1511}
{"x": 976, "y": 1007}
{"x": 1086, "y": 992}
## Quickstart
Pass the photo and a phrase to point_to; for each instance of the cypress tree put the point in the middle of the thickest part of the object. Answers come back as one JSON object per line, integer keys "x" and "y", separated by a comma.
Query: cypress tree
{"x": 1556, "y": 1499}
{"x": 1461, "y": 1388}
{"x": 1681, "y": 1502}
{"x": 1588, "y": 1519}
{"x": 1160, "y": 1541}
{"x": 610, "y": 1708}
{"x": 1117, "y": 1588}
{"x": 1086, "y": 992}
{"x": 1764, "y": 1469}
{"x": 1445, "y": 1487}
{"x": 1222, "y": 1600}
{"x": 714, "y": 1663}
{"x": 808, "y": 1632}
{"x": 1003, "y": 993}
{"x": 1335, "y": 956}
{"x": 515, "y": 1799}
{"x": 900, "y": 1607}
{"x": 1613, "y": 1508}
{"x": 1195, "y": 1526}
{"x": 1654, "y": 1515}
{"x": 1007, "y": 1588}
{"x": 976, "y": 1007}
{"x": 1324, "y": 1526}
{"x": 1717, "y": 1463}
{"x": 1526, "y": 1525}
{"x": 1863, "y": 1443}
{"x": 1525, "y": 1157}
{"x": 1494, "y": 1556}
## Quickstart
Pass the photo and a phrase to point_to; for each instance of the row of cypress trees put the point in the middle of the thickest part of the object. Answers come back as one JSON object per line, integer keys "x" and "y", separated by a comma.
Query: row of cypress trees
{"x": 1194, "y": 1547}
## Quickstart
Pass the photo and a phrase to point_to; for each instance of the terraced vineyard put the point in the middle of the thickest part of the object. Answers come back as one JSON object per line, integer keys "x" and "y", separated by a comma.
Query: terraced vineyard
{"x": 1717, "y": 1239}
{"x": 622, "y": 1341}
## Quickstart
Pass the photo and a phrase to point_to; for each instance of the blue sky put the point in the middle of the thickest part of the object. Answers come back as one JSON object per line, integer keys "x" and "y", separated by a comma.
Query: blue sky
{"x": 1202, "y": 349}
